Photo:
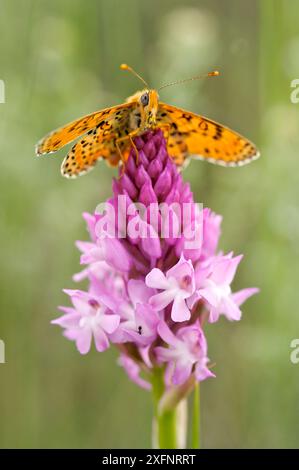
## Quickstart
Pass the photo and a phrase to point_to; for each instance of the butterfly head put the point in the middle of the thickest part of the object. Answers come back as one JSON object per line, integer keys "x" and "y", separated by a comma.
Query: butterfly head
{"x": 147, "y": 101}
{"x": 146, "y": 108}
{"x": 148, "y": 105}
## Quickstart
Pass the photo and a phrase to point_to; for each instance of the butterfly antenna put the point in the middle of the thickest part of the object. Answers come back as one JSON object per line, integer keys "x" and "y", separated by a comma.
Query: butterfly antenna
{"x": 129, "y": 69}
{"x": 215, "y": 73}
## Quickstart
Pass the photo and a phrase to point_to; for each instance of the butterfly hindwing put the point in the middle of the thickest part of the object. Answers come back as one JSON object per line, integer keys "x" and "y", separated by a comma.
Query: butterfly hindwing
{"x": 191, "y": 135}
{"x": 99, "y": 143}
{"x": 84, "y": 155}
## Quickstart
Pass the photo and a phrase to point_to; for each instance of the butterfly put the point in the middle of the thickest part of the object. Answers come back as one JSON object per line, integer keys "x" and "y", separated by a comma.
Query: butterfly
{"x": 109, "y": 134}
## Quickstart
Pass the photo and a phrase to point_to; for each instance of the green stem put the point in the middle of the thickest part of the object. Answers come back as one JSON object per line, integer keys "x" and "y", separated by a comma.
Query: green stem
{"x": 165, "y": 425}
{"x": 196, "y": 418}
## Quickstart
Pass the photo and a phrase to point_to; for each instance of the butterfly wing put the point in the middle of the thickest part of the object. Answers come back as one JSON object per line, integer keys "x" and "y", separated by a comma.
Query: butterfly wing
{"x": 103, "y": 119}
{"x": 88, "y": 151}
{"x": 191, "y": 135}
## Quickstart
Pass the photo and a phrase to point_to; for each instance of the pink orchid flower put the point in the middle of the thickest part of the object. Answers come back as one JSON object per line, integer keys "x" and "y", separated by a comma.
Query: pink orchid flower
{"x": 186, "y": 351}
{"x": 215, "y": 288}
{"x": 89, "y": 318}
{"x": 138, "y": 319}
{"x": 148, "y": 289}
{"x": 177, "y": 285}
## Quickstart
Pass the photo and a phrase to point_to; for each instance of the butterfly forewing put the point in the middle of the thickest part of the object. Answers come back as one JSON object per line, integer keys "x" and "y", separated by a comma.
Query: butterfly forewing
{"x": 191, "y": 135}
{"x": 60, "y": 137}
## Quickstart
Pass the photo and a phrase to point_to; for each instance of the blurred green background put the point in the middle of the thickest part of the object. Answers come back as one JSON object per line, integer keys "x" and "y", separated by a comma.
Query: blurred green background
{"x": 59, "y": 60}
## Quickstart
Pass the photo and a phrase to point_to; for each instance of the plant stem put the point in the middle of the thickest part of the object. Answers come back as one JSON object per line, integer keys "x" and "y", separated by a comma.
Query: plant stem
{"x": 165, "y": 423}
{"x": 196, "y": 418}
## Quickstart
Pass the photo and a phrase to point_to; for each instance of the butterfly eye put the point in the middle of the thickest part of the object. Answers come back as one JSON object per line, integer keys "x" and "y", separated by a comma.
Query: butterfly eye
{"x": 144, "y": 99}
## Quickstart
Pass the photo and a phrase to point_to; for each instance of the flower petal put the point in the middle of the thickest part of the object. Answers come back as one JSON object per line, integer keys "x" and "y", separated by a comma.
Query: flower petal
{"x": 116, "y": 255}
{"x": 138, "y": 291}
{"x": 101, "y": 340}
{"x": 167, "y": 335}
{"x": 181, "y": 372}
{"x": 161, "y": 300}
{"x": 244, "y": 294}
{"x": 156, "y": 279}
{"x": 109, "y": 323}
{"x": 230, "y": 309}
{"x": 70, "y": 320}
{"x": 133, "y": 371}
{"x": 180, "y": 312}
{"x": 209, "y": 295}
{"x": 202, "y": 372}
{"x": 83, "y": 341}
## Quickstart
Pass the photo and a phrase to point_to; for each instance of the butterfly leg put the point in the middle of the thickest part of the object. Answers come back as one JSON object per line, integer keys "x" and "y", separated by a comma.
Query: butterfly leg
{"x": 130, "y": 138}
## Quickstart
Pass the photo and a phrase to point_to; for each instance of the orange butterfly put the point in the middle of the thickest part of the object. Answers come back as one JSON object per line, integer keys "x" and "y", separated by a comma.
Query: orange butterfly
{"x": 109, "y": 134}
